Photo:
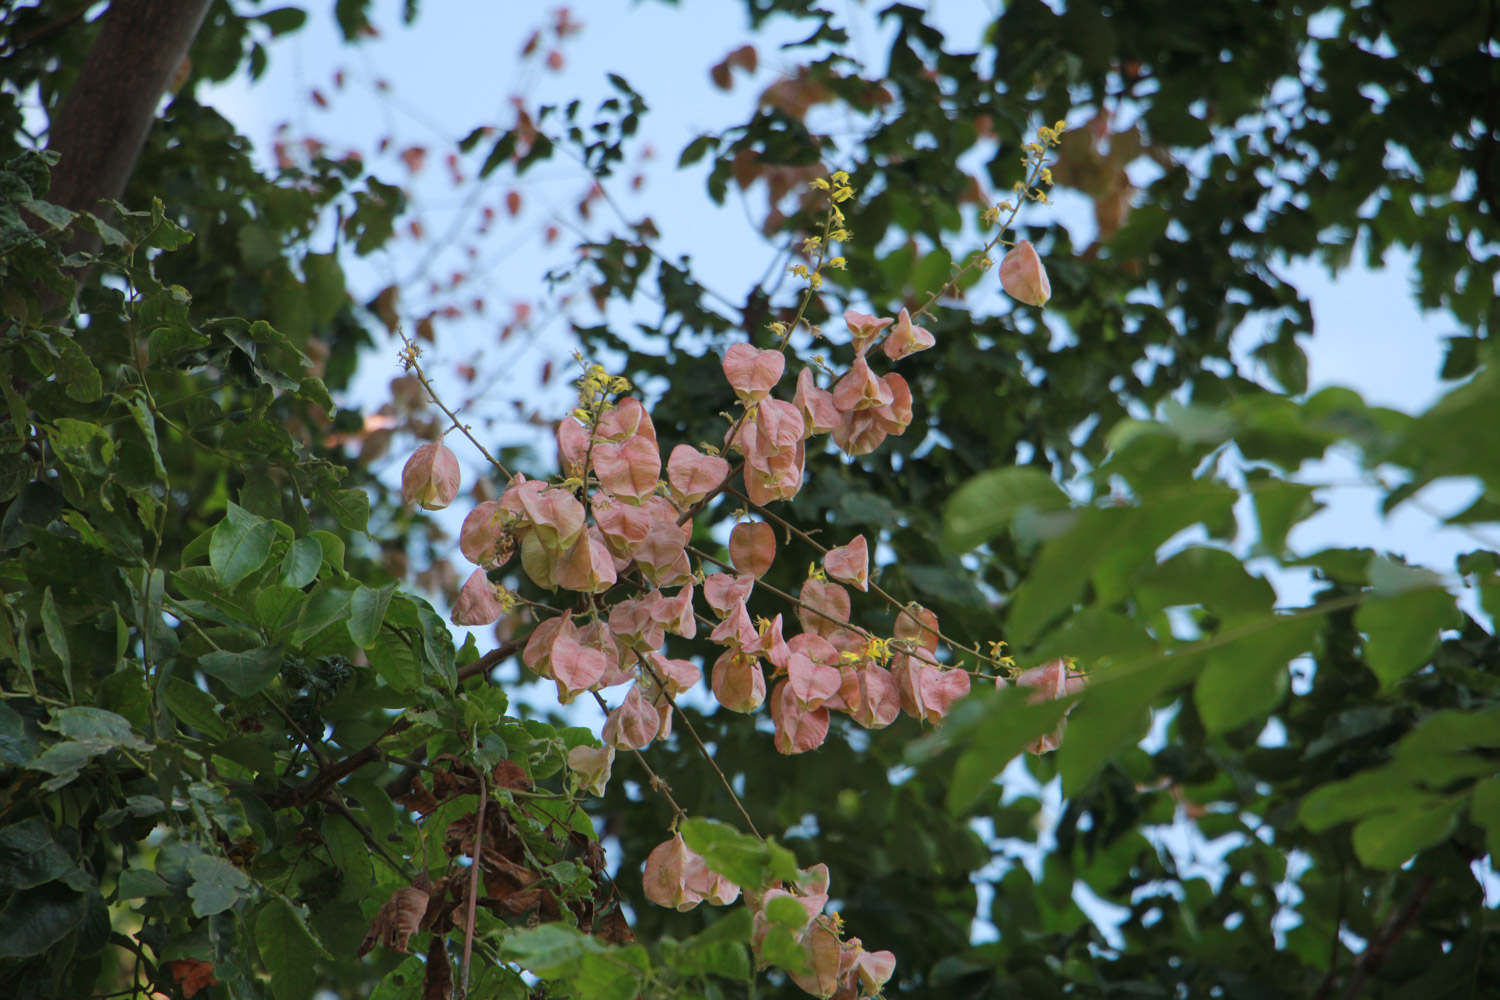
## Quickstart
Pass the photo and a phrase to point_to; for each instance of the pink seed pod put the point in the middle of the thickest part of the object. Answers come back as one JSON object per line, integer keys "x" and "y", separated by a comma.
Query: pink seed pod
{"x": 1023, "y": 277}
{"x": 430, "y": 477}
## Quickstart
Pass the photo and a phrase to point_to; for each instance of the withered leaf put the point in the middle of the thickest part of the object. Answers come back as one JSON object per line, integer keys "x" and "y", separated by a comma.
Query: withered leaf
{"x": 419, "y": 800}
{"x": 399, "y": 918}
{"x": 192, "y": 975}
{"x": 508, "y": 774}
{"x": 612, "y": 927}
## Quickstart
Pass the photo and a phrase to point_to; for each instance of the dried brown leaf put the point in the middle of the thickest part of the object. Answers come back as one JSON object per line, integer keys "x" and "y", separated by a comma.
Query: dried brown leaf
{"x": 399, "y": 918}
{"x": 192, "y": 975}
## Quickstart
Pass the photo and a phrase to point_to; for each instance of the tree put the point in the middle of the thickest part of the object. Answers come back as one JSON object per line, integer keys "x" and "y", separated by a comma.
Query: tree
{"x": 238, "y": 744}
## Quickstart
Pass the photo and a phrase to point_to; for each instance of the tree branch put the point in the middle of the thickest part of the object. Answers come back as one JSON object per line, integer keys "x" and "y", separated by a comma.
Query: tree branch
{"x": 101, "y": 126}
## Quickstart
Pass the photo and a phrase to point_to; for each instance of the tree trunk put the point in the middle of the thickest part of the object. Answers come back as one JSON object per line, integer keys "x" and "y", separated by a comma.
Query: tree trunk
{"x": 101, "y": 126}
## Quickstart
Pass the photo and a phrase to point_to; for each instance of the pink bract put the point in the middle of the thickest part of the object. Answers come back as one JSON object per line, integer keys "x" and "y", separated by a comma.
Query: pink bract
{"x": 484, "y": 538}
{"x": 850, "y": 563}
{"x": 879, "y": 698}
{"x": 1023, "y": 277}
{"x": 1050, "y": 681}
{"x": 631, "y": 468}
{"x": 927, "y": 691}
{"x": 591, "y": 766}
{"x": 752, "y": 373}
{"x": 723, "y": 591}
{"x": 477, "y": 602}
{"x": 752, "y": 547}
{"x": 575, "y": 667}
{"x": 859, "y": 432}
{"x": 738, "y": 682}
{"x": 627, "y": 418}
{"x": 906, "y": 338}
{"x": 819, "y": 414}
{"x": 693, "y": 475}
{"x": 863, "y": 329}
{"x": 430, "y": 477}
{"x": 918, "y": 624}
{"x": 634, "y": 724}
{"x": 824, "y": 609}
{"x": 586, "y": 567}
{"x": 859, "y": 389}
{"x": 572, "y": 445}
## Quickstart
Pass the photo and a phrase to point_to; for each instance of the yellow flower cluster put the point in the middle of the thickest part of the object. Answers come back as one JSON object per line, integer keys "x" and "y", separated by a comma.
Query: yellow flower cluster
{"x": 595, "y": 386}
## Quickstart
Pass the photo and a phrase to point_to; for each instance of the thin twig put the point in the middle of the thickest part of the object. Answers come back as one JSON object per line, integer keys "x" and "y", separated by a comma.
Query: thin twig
{"x": 702, "y": 747}
{"x": 1375, "y": 955}
{"x": 659, "y": 786}
{"x": 473, "y": 901}
{"x": 409, "y": 359}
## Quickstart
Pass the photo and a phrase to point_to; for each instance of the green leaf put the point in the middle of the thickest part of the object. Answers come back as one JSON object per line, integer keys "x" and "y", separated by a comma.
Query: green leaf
{"x": 1374, "y": 791}
{"x": 140, "y": 883}
{"x": 37, "y": 919}
{"x": 745, "y": 860}
{"x": 350, "y": 508}
{"x": 194, "y": 706}
{"x": 366, "y": 612}
{"x": 988, "y": 728}
{"x": 1387, "y": 840}
{"x": 86, "y": 723}
{"x": 240, "y": 545}
{"x": 327, "y": 606}
{"x": 165, "y": 234}
{"x": 1246, "y": 678}
{"x": 283, "y": 20}
{"x": 146, "y": 421}
{"x": 1402, "y": 631}
{"x": 984, "y": 506}
{"x": 77, "y": 373}
{"x": 57, "y": 637}
{"x": 84, "y": 447}
{"x": 549, "y": 947}
{"x": 349, "y": 853}
{"x": 1389, "y": 578}
{"x": 1484, "y": 809}
{"x": 1205, "y": 576}
{"x": 17, "y": 746}
{"x": 325, "y": 286}
{"x": 30, "y": 856}
{"x": 55, "y": 216}
{"x": 67, "y": 758}
{"x": 396, "y": 661}
{"x": 1448, "y": 732}
{"x": 333, "y": 549}
{"x": 591, "y": 968}
{"x": 720, "y": 950}
{"x": 217, "y": 885}
{"x": 1113, "y": 716}
{"x": 288, "y": 949}
{"x": 277, "y": 607}
{"x": 244, "y": 673}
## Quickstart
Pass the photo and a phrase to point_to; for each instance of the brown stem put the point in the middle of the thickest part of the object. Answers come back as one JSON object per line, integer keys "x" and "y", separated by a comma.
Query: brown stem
{"x": 658, "y": 786}
{"x": 489, "y": 661}
{"x": 409, "y": 359}
{"x": 1375, "y": 955}
{"x": 321, "y": 783}
{"x": 101, "y": 127}
{"x": 702, "y": 747}
{"x": 463, "y": 968}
